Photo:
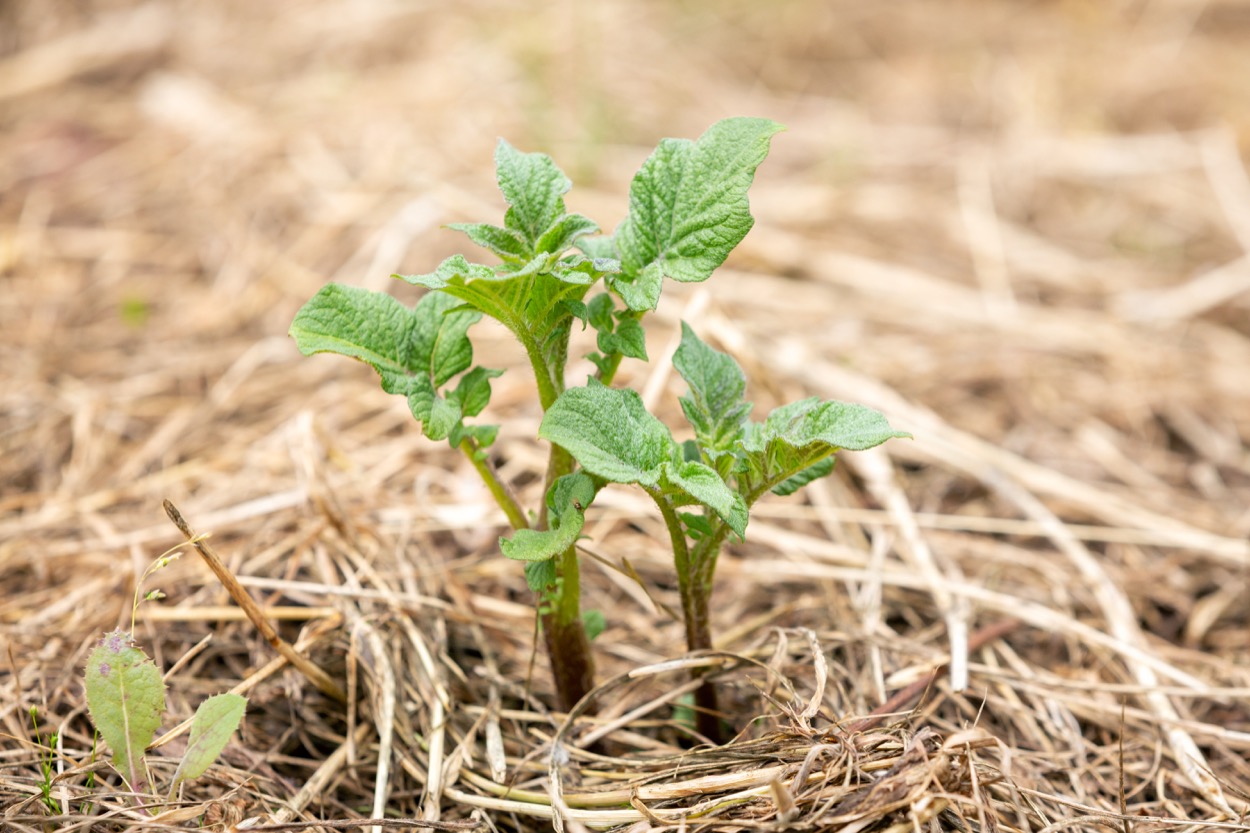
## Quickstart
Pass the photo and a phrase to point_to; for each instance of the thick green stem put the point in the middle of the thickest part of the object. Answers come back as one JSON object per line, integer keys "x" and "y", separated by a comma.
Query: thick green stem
{"x": 695, "y": 586}
{"x": 498, "y": 489}
{"x": 572, "y": 663}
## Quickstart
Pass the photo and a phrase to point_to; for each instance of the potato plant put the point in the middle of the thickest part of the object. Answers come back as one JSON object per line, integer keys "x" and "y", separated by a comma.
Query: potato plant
{"x": 688, "y": 209}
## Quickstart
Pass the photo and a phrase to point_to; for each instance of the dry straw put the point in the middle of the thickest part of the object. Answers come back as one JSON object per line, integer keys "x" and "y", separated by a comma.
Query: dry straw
{"x": 1034, "y": 617}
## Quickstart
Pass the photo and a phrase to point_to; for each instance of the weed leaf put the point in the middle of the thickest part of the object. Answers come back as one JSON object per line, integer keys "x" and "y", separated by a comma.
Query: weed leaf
{"x": 688, "y": 207}
{"x": 211, "y": 727}
{"x": 125, "y": 696}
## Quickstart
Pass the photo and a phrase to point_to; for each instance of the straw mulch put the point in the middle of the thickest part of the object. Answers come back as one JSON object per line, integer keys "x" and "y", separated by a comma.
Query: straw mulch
{"x": 1021, "y": 230}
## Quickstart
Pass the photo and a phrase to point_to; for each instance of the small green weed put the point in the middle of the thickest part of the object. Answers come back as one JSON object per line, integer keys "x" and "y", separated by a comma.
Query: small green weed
{"x": 688, "y": 209}
{"x": 126, "y": 696}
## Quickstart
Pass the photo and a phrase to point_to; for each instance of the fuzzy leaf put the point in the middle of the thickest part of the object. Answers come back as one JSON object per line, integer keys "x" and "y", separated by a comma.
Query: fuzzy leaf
{"x": 211, "y": 727}
{"x": 629, "y": 340}
{"x": 540, "y": 575}
{"x": 414, "y": 351}
{"x": 800, "y": 435}
{"x": 126, "y": 697}
{"x": 814, "y": 472}
{"x": 688, "y": 204}
{"x": 567, "y": 500}
{"x": 836, "y": 424}
{"x": 564, "y": 232}
{"x": 455, "y": 270}
{"x": 715, "y": 406}
{"x": 706, "y": 486}
{"x": 504, "y": 242}
{"x": 610, "y": 432}
{"x": 534, "y": 187}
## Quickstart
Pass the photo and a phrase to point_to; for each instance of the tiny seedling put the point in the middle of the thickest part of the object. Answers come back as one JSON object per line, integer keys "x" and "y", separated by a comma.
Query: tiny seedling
{"x": 688, "y": 209}
{"x": 47, "y": 760}
{"x": 126, "y": 696}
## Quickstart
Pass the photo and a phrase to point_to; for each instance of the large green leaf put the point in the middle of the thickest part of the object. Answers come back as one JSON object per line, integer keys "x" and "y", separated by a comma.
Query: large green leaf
{"x": 613, "y": 436}
{"x": 610, "y": 432}
{"x": 688, "y": 207}
{"x": 414, "y": 351}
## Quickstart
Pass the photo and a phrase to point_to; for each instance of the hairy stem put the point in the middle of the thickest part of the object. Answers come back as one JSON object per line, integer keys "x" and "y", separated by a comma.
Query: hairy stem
{"x": 498, "y": 489}
{"x": 572, "y": 663}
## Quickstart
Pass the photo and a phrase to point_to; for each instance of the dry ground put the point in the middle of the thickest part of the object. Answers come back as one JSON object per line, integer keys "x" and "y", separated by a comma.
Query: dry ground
{"x": 1020, "y": 229}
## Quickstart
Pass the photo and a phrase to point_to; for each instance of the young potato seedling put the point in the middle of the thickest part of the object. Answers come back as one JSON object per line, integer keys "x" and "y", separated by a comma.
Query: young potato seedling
{"x": 688, "y": 209}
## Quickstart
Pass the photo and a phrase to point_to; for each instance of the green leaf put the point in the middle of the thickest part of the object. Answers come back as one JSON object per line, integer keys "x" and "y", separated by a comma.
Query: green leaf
{"x": 715, "y": 407}
{"x": 594, "y": 622}
{"x": 610, "y": 432}
{"x": 641, "y": 292}
{"x": 211, "y": 727}
{"x": 504, "y": 242}
{"x": 800, "y": 435}
{"x": 534, "y": 188}
{"x": 455, "y": 270}
{"x": 629, "y": 340}
{"x": 414, "y": 351}
{"x": 564, "y": 232}
{"x": 126, "y": 697}
{"x": 567, "y": 499}
{"x": 598, "y": 248}
{"x": 540, "y": 575}
{"x": 688, "y": 204}
{"x": 835, "y": 424}
{"x": 706, "y": 486}
{"x": 472, "y": 393}
{"x": 814, "y": 472}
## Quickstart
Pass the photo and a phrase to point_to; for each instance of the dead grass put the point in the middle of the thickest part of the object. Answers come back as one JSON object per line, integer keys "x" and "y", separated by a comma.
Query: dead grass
{"x": 1022, "y": 230}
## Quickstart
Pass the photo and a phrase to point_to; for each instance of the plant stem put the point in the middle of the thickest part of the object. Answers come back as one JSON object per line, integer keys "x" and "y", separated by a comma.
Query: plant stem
{"x": 695, "y": 586}
{"x": 572, "y": 663}
{"x": 498, "y": 489}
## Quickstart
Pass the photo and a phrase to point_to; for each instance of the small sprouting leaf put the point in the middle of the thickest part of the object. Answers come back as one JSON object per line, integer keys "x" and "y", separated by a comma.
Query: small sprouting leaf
{"x": 594, "y": 622}
{"x": 715, "y": 406}
{"x": 567, "y": 500}
{"x": 610, "y": 432}
{"x": 564, "y": 233}
{"x": 504, "y": 242}
{"x": 598, "y": 248}
{"x": 211, "y": 727}
{"x": 629, "y": 339}
{"x": 534, "y": 187}
{"x": 473, "y": 391}
{"x": 688, "y": 204}
{"x": 125, "y": 696}
{"x": 540, "y": 575}
{"x": 814, "y": 472}
{"x": 454, "y": 270}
